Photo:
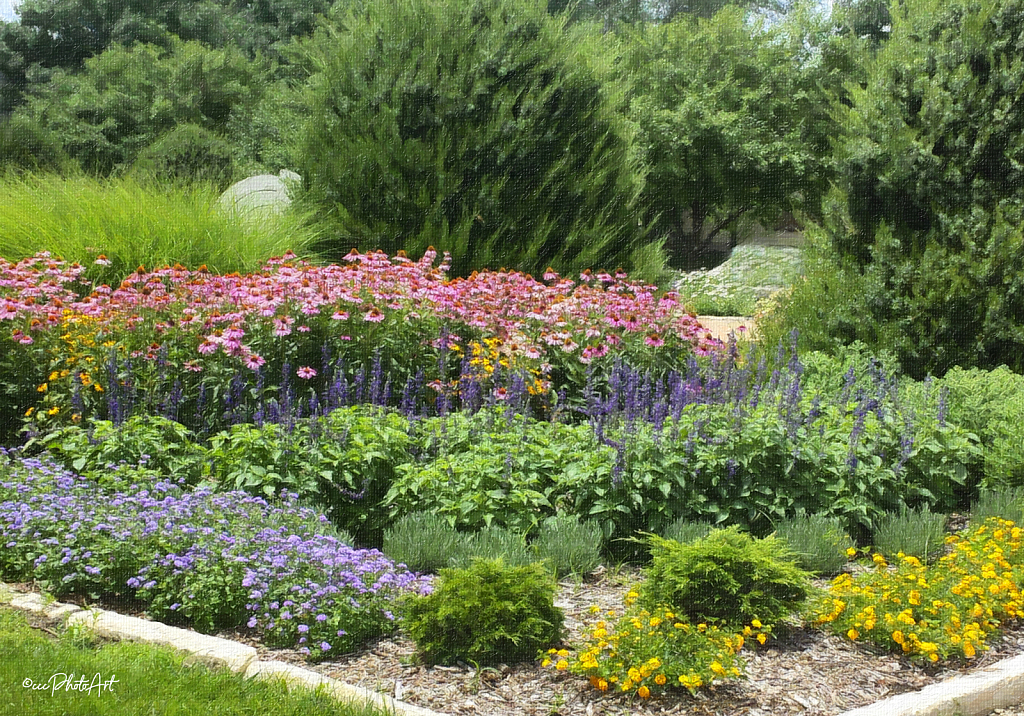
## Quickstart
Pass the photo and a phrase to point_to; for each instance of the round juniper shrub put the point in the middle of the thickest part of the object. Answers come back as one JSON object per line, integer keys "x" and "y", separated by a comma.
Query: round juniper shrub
{"x": 487, "y": 613}
{"x": 727, "y": 578}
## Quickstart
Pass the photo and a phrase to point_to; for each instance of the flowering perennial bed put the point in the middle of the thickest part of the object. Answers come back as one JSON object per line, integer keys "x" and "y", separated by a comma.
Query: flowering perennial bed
{"x": 178, "y": 341}
{"x": 217, "y": 560}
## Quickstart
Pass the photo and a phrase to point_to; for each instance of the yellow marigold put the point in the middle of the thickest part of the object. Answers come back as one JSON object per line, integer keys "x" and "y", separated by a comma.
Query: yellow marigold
{"x": 643, "y": 692}
{"x": 42, "y": 388}
{"x": 717, "y": 668}
{"x": 897, "y": 636}
{"x": 853, "y": 634}
{"x": 546, "y": 663}
{"x": 660, "y": 679}
{"x": 563, "y": 652}
{"x": 562, "y": 665}
{"x": 762, "y": 638}
{"x": 756, "y": 623}
{"x": 53, "y": 411}
{"x": 691, "y": 681}
{"x": 602, "y": 685}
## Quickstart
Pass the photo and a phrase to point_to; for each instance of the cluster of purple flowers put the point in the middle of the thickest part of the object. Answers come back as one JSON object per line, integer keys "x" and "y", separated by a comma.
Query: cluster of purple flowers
{"x": 220, "y": 560}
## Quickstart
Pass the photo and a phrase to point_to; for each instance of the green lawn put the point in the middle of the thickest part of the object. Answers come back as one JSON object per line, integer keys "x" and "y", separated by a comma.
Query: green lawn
{"x": 150, "y": 681}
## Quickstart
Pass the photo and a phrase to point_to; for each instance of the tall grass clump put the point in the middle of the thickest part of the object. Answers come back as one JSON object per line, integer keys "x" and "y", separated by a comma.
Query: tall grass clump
{"x": 818, "y": 541}
{"x": 133, "y": 222}
{"x": 424, "y": 542}
{"x": 1007, "y": 503}
{"x": 569, "y": 546}
{"x": 918, "y": 533}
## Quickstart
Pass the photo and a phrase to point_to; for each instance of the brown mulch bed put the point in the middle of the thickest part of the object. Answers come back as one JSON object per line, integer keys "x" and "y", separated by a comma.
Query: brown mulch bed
{"x": 806, "y": 672}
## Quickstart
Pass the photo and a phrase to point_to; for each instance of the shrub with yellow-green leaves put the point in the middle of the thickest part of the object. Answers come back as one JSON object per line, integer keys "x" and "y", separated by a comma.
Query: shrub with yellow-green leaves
{"x": 932, "y": 612}
{"x": 646, "y": 652}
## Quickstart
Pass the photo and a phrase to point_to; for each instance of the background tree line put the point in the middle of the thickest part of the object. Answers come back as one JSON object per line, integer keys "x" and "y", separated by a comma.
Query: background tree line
{"x": 598, "y": 133}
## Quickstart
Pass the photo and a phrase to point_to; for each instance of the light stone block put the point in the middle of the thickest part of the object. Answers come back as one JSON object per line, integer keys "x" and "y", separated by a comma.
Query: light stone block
{"x": 210, "y": 650}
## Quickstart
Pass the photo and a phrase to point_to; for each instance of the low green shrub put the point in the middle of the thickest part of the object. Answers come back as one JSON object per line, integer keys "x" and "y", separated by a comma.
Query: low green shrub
{"x": 188, "y": 154}
{"x": 27, "y": 147}
{"x": 424, "y": 541}
{"x": 818, "y": 541}
{"x": 685, "y": 530}
{"x": 727, "y": 578}
{"x": 488, "y": 613}
{"x": 568, "y": 545}
{"x": 918, "y": 533}
{"x": 1007, "y": 503}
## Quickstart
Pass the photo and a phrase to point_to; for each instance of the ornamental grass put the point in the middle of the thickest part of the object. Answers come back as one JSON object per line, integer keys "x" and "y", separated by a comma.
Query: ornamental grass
{"x": 932, "y": 612}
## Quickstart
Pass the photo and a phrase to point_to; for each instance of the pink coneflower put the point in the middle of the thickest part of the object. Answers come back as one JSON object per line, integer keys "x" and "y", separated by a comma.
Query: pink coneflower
{"x": 653, "y": 339}
{"x": 303, "y": 329}
{"x": 102, "y": 260}
{"x": 373, "y": 316}
{"x": 340, "y": 315}
{"x": 305, "y": 372}
{"x": 207, "y": 347}
{"x": 254, "y": 361}
{"x": 8, "y": 310}
{"x": 193, "y": 366}
{"x": 501, "y": 394}
{"x": 282, "y": 325}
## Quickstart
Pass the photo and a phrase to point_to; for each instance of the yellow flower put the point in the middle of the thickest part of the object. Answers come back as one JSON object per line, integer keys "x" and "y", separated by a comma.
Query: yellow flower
{"x": 53, "y": 411}
{"x": 602, "y": 685}
{"x": 546, "y": 663}
{"x": 643, "y": 692}
{"x": 563, "y": 652}
{"x": 968, "y": 649}
{"x": 717, "y": 668}
{"x": 29, "y": 412}
{"x": 756, "y": 623}
{"x": 562, "y": 665}
{"x": 851, "y": 552}
{"x": 853, "y": 634}
{"x": 42, "y": 388}
{"x": 660, "y": 679}
{"x": 762, "y": 638}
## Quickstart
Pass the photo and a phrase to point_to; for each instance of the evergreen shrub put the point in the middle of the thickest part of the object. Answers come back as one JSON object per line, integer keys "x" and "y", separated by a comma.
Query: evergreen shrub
{"x": 487, "y": 613}
{"x": 727, "y": 578}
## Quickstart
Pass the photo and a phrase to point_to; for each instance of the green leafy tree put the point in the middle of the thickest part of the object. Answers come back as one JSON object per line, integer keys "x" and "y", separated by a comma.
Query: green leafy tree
{"x": 489, "y": 130}
{"x": 930, "y": 202}
{"x": 734, "y": 127}
{"x": 128, "y": 96}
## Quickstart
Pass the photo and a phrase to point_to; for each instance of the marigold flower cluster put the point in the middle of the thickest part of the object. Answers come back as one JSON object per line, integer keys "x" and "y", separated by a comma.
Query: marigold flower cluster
{"x": 647, "y": 652}
{"x": 932, "y": 612}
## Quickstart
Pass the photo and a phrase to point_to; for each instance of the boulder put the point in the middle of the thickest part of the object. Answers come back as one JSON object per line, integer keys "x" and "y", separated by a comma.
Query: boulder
{"x": 261, "y": 194}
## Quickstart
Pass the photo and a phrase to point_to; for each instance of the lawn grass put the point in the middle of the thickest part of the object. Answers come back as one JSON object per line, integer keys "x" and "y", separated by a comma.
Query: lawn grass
{"x": 133, "y": 222}
{"x": 734, "y": 288}
{"x": 150, "y": 680}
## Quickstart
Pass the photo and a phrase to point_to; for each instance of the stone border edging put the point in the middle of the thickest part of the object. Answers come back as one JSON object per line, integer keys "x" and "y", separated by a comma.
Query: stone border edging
{"x": 210, "y": 650}
{"x": 978, "y": 693}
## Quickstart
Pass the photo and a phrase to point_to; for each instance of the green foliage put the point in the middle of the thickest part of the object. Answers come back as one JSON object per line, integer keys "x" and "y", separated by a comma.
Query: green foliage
{"x": 818, "y": 541}
{"x": 738, "y": 286}
{"x": 492, "y": 471}
{"x": 930, "y": 206}
{"x": 487, "y": 613}
{"x": 990, "y": 404}
{"x": 27, "y": 147}
{"x": 726, "y": 115}
{"x": 188, "y": 153}
{"x": 570, "y": 546}
{"x": 136, "y": 224}
{"x": 684, "y": 530}
{"x": 489, "y": 130}
{"x": 727, "y": 578}
{"x": 128, "y": 96}
{"x": 919, "y": 533}
{"x": 423, "y": 541}
{"x": 344, "y": 462}
{"x": 1006, "y": 503}
{"x": 105, "y": 452}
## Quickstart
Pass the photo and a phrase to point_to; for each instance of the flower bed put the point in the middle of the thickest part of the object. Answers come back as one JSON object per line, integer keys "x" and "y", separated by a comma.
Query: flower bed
{"x": 216, "y": 560}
